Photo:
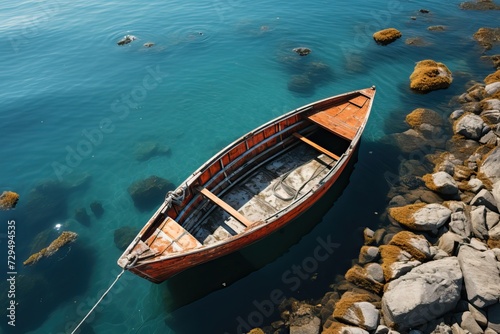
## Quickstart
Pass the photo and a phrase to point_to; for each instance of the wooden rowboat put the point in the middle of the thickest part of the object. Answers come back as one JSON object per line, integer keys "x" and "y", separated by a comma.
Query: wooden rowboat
{"x": 252, "y": 187}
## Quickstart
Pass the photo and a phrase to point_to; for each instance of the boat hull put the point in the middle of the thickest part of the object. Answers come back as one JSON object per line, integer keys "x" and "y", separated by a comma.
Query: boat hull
{"x": 209, "y": 216}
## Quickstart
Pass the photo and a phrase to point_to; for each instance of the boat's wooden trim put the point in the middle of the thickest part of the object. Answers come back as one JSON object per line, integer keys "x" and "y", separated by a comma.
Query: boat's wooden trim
{"x": 226, "y": 207}
{"x": 316, "y": 146}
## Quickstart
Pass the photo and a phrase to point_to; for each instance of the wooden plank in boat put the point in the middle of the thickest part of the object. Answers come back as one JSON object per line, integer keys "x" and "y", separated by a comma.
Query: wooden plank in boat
{"x": 316, "y": 146}
{"x": 171, "y": 237}
{"x": 338, "y": 119}
{"x": 226, "y": 207}
{"x": 359, "y": 100}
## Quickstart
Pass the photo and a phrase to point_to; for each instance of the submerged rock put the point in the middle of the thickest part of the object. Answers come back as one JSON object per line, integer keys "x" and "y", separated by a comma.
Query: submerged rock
{"x": 495, "y": 60}
{"x": 47, "y": 202}
{"x": 123, "y": 236}
{"x": 386, "y": 36}
{"x": 479, "y": 5}
{"x": 149, "y": 193}
{"x": 8, "y": 200}
{"x": 436, "y": 28}
{"x": 417, "y": 41}
{"x": 429, "y": 75}
{"x": 487, "y": 37}
{"x": 82, "y": 216}
{"x": 301, "y": 83}
{"x": 150, "y": 149}
{"x": 65, "y": 238}
{"x": 420, "y": 116}
{"x": 430, "y": 291}
{"x": 304, "y": 320}
{"x": 97, "y": 209}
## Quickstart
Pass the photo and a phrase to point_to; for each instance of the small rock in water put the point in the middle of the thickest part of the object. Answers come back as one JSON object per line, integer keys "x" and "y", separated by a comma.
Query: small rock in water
{"x": 302, "y": 51}
{"x": 124, "y": 235}
{"x": 8, "y": 200}
{"x": 424, "y": 11}
{"x": 126, "y": 39}
{"x": 82, "y": 216}
{"x": 429, "y": 75}
{"x": 148, "y": 44}
{"x": 97, "y": 208}
{"x": 386, "y": 36}
{"x": 63, "y": 239}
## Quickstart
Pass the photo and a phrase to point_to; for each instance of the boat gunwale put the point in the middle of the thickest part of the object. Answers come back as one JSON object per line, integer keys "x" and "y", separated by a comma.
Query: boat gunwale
{"x": 190, "y": 180}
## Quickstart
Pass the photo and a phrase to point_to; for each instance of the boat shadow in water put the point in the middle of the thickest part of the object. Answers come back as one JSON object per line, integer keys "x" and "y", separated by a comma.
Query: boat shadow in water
{"x": 195, "y": 283}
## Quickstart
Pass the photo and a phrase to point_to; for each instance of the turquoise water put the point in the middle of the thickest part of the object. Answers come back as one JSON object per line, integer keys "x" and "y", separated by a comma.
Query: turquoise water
{"x": 75, "y": 105}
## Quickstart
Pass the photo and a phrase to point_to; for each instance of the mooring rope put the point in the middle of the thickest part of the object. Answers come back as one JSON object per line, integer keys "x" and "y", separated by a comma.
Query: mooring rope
{"x": 99, "y": 301}
{"x": 105, "y": 293}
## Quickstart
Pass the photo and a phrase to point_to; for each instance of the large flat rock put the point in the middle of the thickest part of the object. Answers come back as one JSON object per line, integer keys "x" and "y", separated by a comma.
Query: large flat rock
{"x": 481, "y": 276}
{"x": 424, "y": 294}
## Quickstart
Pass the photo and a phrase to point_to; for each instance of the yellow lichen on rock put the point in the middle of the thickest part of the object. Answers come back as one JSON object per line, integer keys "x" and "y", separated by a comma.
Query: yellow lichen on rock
{"x": 358, "y": 276}
{"x": 389, "y": 254}
{"x": 256, "y": 331}
{"x": 346, "y": 304}
{"x": 405, "y": 240}
{"x": 429, "y": 182}
{"x": 8, "y": 200}
{"x": 493, "y": 77}
{"x": 430, "y": 75}
{"x": 421, "y": 116}
{"x": 335, "y": 328}
{"x": 404, "y": 214}
{"x": 386, "y": 36}
{"x": 487, "y": 37}
{"x": 63, "y": 239}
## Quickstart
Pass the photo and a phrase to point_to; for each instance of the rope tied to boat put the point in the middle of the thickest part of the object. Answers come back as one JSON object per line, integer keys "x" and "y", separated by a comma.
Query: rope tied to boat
{"x": 130, "y": 264}
{"x": 176, "y": 196}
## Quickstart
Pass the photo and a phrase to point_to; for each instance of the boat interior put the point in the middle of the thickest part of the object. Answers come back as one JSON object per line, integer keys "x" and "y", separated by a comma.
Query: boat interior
{"x": 257, "y": 178}
{"x": 268, "y": 189}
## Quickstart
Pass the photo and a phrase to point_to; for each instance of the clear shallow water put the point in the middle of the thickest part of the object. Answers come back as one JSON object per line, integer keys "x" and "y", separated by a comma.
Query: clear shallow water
{"x": 75, "y": 104}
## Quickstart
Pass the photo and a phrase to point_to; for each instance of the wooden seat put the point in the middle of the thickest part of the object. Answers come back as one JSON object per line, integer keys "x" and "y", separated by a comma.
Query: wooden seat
{"x": 226, "y": 207}
{"x": 316, "y": 146}
{"x": 171, "y": 237}
{"x": 343, "y": 119}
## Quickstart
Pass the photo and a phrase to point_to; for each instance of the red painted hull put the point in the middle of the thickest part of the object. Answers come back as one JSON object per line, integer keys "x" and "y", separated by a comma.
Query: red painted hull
{"x": 352, "y": 109}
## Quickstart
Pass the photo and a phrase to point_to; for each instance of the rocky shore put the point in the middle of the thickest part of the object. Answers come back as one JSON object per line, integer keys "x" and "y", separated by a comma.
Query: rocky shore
{"x": 435, "y": 265}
